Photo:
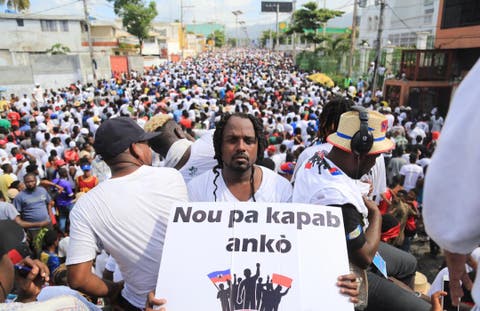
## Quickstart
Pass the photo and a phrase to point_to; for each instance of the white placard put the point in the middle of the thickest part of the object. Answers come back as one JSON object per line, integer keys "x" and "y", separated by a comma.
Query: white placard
{"x": 299, "y": 248}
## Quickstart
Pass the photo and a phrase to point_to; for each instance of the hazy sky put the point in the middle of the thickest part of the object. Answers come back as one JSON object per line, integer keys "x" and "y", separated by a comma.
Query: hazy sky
{"x": 198, "y": 11}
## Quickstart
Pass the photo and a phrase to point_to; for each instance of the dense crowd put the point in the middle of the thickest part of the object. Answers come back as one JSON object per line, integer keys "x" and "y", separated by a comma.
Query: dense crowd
{"x": 75, "y": 160}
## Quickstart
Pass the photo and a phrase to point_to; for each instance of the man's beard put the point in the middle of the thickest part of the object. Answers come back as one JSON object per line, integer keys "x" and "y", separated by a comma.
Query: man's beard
{"x": 242, "y": 167}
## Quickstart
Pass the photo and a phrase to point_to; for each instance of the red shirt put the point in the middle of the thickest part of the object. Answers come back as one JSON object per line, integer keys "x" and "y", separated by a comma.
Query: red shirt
{"x": 185, "y": 122}
{"x": 85, "y": 185}
{"x": 14, "y": 118}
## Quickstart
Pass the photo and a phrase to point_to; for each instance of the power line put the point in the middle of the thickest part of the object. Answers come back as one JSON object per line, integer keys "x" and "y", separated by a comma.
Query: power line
{"x": 399, "y": 18}
{"x": 346, "y": 4}
{"x": 52, "y": 8}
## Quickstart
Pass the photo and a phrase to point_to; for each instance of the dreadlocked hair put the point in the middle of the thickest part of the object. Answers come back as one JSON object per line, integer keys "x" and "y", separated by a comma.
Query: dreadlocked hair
{"x": 330, "y": 116}
{"x": 218, "y": 137}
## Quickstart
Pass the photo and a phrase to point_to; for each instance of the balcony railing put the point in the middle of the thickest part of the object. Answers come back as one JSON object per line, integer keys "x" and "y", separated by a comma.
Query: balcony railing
{"x": 427, "y": 65}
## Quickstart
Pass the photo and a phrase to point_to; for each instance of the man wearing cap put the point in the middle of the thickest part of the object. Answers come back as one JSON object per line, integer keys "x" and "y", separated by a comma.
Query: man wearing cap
{"x": 11, "y": 247}
{"x": 286, "y": 170}
{"x": 87, "y": 181}
{"x": 126, "y": 215}
{"x": 190, "y": 158}
{"x": 333, "y": 179}
{"x": 30, "y": 286}
{"x": 271, "y": 150}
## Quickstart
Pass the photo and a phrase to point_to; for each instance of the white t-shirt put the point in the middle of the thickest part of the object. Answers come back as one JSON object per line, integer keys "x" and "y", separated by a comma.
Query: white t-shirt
{"x": 127, "y": 216}
{"x": 451, "y": 197}
{"x": 317, "y": 184}
{"x": 53, "y": 292}
{"x": 377, "y": 174}
{"x": 424, "y": 162}
{"x": 8, "y": 211}
{"x": 201, "y": 157}
{"x": 274, "y": 188}
{"x": 412, "y": 173}
{"x": 63, "y": 246}
{"x": 279, "y": 159}
{"x": 307, "y": 154}
{"x": 63, "y": 302}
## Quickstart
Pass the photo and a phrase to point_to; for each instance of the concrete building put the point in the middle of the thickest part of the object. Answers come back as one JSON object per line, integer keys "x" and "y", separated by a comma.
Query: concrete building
{"x": 23, "y": 35}
{"x": 26, "y": 38}
{"x": 431, "y": 76}
{"x": 403, "y": 20}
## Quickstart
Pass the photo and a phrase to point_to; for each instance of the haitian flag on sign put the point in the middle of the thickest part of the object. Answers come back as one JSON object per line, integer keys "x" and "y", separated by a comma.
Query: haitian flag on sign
{"x": 220, "y": 276}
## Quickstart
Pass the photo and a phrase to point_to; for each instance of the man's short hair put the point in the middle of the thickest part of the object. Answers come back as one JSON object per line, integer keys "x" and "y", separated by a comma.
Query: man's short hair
{"x": 156, "y": 122}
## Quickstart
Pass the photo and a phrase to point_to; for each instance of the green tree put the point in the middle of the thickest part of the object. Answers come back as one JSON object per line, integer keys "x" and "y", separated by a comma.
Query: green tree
{"x": 267, "y": 34}
{"x": 218, "y": 36}
{"x": 58, "y": 49}
{"x": 336, "y": 45}
{"x": 17, "y": 5}
{"x": 308, "y": 19}
{"x": 232, "y": 42}
{"x": 118, "y": 5}
{"x": 137, "y": 18}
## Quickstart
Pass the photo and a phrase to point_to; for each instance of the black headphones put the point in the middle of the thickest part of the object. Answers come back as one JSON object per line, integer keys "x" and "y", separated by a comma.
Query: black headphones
{"x": 362, "y": 141}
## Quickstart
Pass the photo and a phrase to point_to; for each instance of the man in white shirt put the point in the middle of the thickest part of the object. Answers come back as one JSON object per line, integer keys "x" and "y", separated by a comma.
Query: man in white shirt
{"x": 451, "y": 197}
{"x": 126, "y": 215}
{"x": 334, "y": 179}
{"x": 189, "y": 158}
{"x": 415, "y": 132}
{"x": 238, "y": 143}
{"x": 411, "y": 173}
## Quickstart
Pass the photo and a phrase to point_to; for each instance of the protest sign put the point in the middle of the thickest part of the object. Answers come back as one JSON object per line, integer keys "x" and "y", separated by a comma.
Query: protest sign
{"x": 253, "y": 256}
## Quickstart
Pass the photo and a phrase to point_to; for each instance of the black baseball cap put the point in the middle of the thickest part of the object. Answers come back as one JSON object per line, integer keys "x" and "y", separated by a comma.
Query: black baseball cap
{"x": 115, "y": 135}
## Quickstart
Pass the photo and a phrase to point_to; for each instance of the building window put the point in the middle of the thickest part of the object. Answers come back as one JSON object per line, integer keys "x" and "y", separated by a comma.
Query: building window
{"x": 48, "y": 26}
{"x": 460, "y": 13}
{"x": 20, "y": 22}
{"x": 427, "y": 19}
{"x": 64, "y": 26}
{"x": 370, "y": 23}
{"x": 427, "y": 2}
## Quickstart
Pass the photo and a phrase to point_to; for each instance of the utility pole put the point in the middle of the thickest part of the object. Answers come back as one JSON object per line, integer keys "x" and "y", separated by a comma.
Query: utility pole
{"x": 276, "y": 26}
{"x": 183, "y": 28}
{"x": 294, "y": 37}
{"x": 236, "y": 13}
{"x": 324, "y": 24}
{"x": 242, "y": 23}
{"x": 378, "y": 53}
{"x": 89, "y": 38}
{"x": 354, "y": 38}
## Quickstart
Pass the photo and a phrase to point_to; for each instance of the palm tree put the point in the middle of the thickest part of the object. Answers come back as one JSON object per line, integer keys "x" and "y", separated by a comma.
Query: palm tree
{"x": 336, "y": 45}
{"x": 17, "y": 5}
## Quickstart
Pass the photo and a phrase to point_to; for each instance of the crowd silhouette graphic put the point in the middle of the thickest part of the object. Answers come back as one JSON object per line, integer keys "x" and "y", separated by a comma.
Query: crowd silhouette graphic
{"x": 248, "y": 292}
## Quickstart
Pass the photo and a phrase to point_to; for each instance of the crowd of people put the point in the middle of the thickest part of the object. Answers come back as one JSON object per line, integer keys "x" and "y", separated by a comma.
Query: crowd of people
{"x": 90, "y": 171}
